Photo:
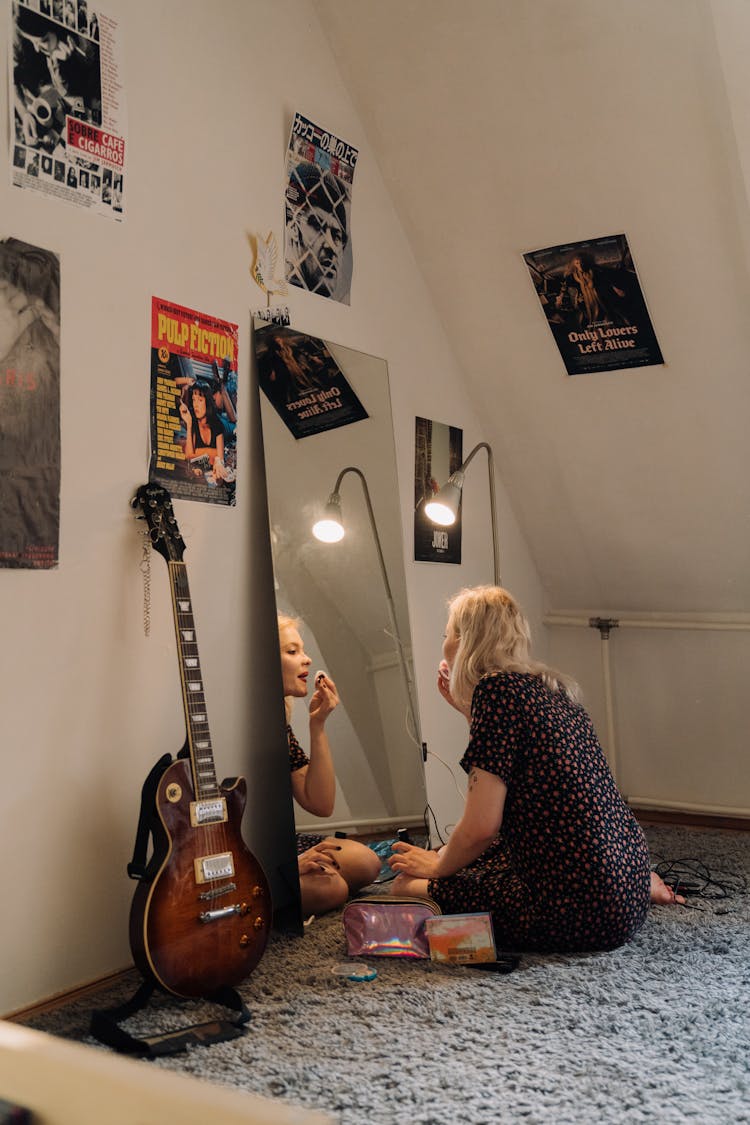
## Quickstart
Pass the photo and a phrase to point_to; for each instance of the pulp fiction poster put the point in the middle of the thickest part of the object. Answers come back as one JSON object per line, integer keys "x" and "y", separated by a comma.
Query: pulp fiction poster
{"x": 193, "y": 403}
{"x": 438, "y": 452}
{"x": 592, "y": 299}
{"x": 29, "y": 406}
{"x": 303, "y": 382}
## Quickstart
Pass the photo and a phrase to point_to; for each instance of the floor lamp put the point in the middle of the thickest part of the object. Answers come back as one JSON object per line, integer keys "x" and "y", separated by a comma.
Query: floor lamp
{"x": 443, "y": 508}
{"x": 330, "y": 529}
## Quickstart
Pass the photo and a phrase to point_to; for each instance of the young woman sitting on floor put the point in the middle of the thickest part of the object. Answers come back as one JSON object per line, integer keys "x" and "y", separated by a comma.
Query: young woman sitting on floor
{"x": 545, "y": 843}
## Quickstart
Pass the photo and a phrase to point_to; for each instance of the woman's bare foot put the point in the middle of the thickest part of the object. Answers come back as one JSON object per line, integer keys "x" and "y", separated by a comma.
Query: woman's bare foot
{"x": 661, "y": 894}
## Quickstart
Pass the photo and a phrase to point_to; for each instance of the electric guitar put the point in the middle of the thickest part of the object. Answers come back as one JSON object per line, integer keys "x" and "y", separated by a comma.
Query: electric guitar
{"x": 202, "y": 922}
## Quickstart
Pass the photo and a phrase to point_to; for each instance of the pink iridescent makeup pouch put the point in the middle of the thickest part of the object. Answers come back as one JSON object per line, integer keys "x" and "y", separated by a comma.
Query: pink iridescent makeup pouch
{"x": 388, "y": 926}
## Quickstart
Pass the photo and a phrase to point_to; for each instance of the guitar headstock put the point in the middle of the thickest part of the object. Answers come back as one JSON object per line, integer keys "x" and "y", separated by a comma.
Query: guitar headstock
{"x": 155, "y": 504}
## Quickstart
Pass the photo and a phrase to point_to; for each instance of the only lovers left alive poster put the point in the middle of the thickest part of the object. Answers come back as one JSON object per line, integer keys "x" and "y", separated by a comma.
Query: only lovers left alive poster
{"x": 592, "y": 298}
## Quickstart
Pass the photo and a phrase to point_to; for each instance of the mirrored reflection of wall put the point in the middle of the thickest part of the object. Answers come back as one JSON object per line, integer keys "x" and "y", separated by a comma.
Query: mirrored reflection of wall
{"x": 337, "y": 591}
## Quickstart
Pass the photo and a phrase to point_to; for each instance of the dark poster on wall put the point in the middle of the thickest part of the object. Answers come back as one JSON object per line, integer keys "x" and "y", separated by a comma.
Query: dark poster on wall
{"x": 592, "y": 299}
{"x": 29, "y": 406}
{"x": 438, "y": 452}
{"x": 303, "y": 382}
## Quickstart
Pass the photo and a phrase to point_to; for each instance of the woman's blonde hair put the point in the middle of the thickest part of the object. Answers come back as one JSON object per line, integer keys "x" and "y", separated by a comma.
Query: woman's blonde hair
{"x": 494, "y": 636}
{"x": 287, "y": 622}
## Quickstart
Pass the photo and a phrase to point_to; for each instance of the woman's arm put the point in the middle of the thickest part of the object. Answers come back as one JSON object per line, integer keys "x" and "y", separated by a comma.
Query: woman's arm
{"x": 477, "y": 828}
{"x": 314, "y": 786}
{"x": 219, "y": 470}
{"x": 479, "y": 825}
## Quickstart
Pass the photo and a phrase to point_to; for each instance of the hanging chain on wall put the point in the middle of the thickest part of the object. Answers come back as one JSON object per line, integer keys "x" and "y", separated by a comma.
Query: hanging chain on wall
{"x": 145, "y": 565}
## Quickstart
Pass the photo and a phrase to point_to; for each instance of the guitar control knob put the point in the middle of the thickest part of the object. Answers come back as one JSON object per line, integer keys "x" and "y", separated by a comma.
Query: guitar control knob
{"x": 257, "y": 892}
{"x": 244, "y": 908}
{"x": 258, "y": 923}
{"x": 244, "y": 940}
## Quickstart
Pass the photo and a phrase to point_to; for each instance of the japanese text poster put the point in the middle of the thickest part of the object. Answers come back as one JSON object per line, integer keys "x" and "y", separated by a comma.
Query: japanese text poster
{"x": 317, "y": 244}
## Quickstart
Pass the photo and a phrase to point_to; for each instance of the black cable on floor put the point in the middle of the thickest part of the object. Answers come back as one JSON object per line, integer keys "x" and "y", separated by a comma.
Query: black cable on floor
{"x": 690, "y": 876}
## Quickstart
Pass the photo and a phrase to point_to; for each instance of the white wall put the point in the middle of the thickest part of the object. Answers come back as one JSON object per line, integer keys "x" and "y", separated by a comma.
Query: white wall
{"x": 573, "y": 120}
{"x": 676, "y": 736}
{"x": 88, "y": 702}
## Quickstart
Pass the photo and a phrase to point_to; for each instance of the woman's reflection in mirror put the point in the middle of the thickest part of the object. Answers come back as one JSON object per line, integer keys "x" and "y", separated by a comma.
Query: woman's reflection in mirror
{"x": 330, "y": 868}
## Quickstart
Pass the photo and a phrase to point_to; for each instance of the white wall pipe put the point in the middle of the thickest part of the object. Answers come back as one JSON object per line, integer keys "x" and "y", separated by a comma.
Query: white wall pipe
{"x": 724, "y": 623}
{"x": 738, "y": 624}
{"x": 609, "y": 705}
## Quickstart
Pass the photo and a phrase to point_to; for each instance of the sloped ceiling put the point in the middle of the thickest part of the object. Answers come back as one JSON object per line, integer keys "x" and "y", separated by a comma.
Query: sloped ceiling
{"x": 505, "y": 126}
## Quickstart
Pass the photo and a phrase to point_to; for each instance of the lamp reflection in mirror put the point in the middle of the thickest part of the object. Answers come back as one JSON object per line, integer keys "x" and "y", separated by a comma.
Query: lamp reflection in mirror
{"x": 443, "y": 508}
{"x": 330, "y": 529}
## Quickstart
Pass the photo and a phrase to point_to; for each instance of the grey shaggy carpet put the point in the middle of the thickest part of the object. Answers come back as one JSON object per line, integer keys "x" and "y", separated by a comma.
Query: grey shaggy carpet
{"x": 658, "y": 1031}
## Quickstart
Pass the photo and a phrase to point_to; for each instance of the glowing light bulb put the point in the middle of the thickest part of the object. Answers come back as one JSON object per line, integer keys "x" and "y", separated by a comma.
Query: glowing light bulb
{"x": 440, "y": 513}
{"x": 328, "y": 531}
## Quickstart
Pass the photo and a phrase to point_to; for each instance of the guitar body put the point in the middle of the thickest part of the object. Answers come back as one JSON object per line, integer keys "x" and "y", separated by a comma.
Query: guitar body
{"x": 193, "y": 934}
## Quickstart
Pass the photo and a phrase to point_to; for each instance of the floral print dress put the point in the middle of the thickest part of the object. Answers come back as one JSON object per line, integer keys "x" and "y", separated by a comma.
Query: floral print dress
{"x": 569, "y": 869}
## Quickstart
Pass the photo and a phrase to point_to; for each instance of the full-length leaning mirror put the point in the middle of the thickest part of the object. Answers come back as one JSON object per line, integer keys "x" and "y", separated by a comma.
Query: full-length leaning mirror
{"x": 350, "y": 596}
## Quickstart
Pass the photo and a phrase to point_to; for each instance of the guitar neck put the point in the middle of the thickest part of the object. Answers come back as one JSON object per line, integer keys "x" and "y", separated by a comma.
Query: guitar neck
{"x": 191, "y": 677}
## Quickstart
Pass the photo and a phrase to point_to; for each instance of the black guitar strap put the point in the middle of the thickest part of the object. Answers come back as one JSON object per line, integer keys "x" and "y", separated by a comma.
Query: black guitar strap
{"x": 138, "y": 868}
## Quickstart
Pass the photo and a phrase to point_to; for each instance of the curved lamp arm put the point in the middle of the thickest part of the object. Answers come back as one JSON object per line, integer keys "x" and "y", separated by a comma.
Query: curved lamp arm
{"x": 334, "y": 505}
{"x": 449, "y": 496}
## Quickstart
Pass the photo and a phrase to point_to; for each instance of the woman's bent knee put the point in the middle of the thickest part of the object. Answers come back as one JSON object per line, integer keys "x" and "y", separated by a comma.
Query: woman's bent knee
{"x": 322, "y": 892}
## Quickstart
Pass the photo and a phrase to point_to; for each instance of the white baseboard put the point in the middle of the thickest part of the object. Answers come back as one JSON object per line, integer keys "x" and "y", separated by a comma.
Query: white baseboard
{"x": 363, "y": 827}
{"x": 687, "y": 807}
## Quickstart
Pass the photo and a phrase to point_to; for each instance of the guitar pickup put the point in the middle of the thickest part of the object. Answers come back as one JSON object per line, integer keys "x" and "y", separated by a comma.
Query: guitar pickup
{"x": 209, "y": 867}
{"x": 208, "y": 812}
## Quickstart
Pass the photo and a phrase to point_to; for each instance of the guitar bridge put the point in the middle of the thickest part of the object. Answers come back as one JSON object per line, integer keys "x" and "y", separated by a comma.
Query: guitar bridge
{"x": 209, "y": 867}
{"x": 222, "y": 912}
{"x": 208, "y": 812}
{"x": 217, "y": 892}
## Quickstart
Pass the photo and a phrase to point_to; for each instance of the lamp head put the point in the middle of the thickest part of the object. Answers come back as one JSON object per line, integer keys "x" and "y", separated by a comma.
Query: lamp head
{"x": 443, "y": 508}
{"x": 330, "y": 529}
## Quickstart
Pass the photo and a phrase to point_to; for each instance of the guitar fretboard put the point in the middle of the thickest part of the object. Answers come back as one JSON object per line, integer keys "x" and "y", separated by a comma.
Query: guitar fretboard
{"x": 196, "y": 717}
